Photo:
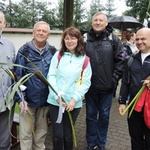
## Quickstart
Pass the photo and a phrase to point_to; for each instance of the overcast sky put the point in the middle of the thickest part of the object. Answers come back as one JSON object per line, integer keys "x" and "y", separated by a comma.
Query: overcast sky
{"x": 118, "y": 4}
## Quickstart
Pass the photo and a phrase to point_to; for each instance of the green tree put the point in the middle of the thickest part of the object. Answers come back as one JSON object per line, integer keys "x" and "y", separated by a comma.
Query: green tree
{"x": 3, "y": 5}
{"x": 21, "y": 17}
{"x": 59, "y": 14}
{"x": 32, "y": 12}
{"x": 79, "y": 14}
{"x": 138, "y": 9}
{"x": 109, "y": 8}
{"x": 68, "y": 13}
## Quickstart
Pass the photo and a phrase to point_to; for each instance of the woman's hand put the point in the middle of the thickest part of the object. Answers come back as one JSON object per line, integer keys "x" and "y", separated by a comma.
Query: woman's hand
{"x": 63, "y": 103}
{"x": 71, "y": 105}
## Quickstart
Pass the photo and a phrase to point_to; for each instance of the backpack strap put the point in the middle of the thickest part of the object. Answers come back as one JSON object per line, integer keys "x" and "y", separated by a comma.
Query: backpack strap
{"x": 59, "y": 57}
{"x": 86, "y": 61}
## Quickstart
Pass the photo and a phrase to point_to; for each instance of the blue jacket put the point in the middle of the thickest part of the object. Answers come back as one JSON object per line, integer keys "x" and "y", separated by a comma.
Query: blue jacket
{"x": 36, "y": 92}
{"x": 67, "y": 78}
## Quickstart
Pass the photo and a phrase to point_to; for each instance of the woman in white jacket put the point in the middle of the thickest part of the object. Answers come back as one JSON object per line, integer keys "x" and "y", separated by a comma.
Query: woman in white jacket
{"x": 70, "y": 76}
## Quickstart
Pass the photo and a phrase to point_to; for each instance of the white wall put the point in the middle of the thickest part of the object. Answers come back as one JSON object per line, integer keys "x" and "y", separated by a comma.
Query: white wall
{"x": 21, "y": 38}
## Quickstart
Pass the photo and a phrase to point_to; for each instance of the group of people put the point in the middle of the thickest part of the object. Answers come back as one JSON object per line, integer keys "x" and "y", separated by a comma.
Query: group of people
{"x": 90, "y": 67}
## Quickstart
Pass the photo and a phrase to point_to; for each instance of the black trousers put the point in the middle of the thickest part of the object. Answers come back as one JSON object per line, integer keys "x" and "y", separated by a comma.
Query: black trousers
{"x": 62, "y": 132}
{"x": 139, "y": 132}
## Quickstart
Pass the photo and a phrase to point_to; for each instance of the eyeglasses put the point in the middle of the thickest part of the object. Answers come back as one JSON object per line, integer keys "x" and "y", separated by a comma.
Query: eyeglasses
{"x": 70, "y": 39}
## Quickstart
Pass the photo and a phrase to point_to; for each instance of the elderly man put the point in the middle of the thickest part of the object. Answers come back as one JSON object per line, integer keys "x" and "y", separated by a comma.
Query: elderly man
{"x": 7, "y": 55}
{"x": 139, "y": 71}
{"x": 34, "y": 106}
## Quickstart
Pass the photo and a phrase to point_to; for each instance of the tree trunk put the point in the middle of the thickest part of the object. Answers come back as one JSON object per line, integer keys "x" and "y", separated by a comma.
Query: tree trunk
{"x": 68, "y": 13}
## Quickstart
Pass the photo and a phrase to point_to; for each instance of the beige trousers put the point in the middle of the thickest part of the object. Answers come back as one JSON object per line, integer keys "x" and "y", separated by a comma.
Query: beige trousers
{"x": 33, "y": 128}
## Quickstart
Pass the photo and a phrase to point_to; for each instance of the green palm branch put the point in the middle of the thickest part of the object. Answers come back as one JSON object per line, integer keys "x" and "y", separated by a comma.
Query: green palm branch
{"x": 39, "y": 75}
{"x": 134, "y": 101}
{"x": 44, "y": 80}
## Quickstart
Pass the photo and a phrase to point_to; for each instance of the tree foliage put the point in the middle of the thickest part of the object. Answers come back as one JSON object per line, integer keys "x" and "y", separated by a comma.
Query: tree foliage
{"x": 79, "y": 14}
{"x": 25, "y": 13}
{"x": 109, "y": 8}
{"x": 138, "y": 9}
{"x": 2, "y": 5}
{"x": 68, "y": 13}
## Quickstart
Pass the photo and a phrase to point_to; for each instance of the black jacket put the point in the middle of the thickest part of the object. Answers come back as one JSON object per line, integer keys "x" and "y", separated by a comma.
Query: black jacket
{"x": 106, "y": 60}
{"x": 138, "y": 72}
{"x": 127, "y": 49}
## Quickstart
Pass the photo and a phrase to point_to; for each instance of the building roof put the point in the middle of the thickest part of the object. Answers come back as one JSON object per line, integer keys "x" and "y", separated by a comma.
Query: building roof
{"x": 24, "y": 30}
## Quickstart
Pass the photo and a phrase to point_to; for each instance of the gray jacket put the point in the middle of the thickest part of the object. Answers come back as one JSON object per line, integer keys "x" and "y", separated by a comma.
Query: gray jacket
{"x": 7, "y": 55}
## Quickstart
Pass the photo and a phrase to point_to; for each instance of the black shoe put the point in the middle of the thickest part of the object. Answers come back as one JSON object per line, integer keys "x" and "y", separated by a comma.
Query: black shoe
{"x": 92, "y": 148}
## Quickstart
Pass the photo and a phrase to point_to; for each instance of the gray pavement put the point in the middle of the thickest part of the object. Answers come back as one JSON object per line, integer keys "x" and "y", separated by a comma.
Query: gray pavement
{"x": 118, "y": 136}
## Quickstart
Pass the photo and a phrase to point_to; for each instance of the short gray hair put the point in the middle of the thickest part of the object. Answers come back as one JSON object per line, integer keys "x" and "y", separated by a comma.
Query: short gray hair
{"x": 42, "y": 22}
{"x": 99, "y": 13}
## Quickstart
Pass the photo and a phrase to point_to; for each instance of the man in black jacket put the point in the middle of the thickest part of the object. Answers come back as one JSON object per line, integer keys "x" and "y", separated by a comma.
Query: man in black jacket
{"x": 106, "y": 57}
{"x": 139, "y": 71}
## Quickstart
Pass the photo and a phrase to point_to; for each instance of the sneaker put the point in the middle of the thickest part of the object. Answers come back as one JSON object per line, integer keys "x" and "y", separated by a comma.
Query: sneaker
{"x": 92, "y": 148}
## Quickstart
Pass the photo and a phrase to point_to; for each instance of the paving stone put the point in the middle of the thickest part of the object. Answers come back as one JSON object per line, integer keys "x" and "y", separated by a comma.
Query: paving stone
{"x": 118, "y": 136}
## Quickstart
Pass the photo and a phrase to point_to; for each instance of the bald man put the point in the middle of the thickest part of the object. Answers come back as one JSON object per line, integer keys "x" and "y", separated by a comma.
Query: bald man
{"x": 139, "y": 71}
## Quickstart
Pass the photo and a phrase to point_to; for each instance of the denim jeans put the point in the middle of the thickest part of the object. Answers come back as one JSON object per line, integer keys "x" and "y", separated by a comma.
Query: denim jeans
{"x": 62, "y": 132}
{"x": 97, "y": 118}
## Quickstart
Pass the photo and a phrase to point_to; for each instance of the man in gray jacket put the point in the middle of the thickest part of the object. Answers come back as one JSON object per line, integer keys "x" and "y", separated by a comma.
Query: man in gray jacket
{"x": 7, "y": 55}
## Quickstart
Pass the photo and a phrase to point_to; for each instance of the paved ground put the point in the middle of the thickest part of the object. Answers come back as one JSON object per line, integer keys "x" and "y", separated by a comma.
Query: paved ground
{"x": 118, "y": 137}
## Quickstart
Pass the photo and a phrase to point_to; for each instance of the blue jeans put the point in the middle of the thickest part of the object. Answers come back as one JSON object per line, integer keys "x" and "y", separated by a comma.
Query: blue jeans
{"x": 97, "y": 118}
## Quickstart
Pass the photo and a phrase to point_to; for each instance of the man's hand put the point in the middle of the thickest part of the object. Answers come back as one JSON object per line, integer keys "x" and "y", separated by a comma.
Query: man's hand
{"x": 147, "y": 83}
{"x": 121, "y": 108}
{"x": 24, "y": 106}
